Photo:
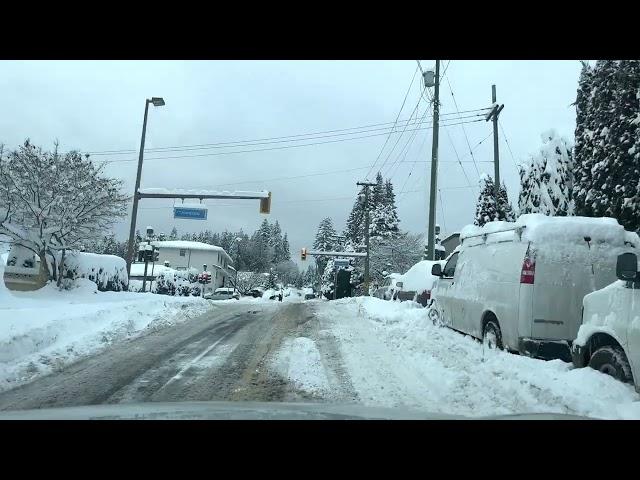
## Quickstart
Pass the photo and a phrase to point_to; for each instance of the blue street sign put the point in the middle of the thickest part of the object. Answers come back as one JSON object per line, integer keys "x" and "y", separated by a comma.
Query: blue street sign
{"x": 190, "y": 213}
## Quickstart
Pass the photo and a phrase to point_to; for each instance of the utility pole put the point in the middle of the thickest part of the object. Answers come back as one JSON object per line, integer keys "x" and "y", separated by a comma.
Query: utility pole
{"x": 366, "y": 233}
{"x": 434, "y": 166}
{"x": 493, "y": 115}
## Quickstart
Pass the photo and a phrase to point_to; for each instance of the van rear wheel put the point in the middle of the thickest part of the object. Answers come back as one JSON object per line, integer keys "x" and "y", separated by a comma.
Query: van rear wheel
{"x": 612, "y": 361}
{"x": 492, "y": 336}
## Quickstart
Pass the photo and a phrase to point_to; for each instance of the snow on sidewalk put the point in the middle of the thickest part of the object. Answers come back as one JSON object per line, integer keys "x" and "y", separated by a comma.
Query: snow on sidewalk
{"x": 397, "y": 357}
{"x": 44, "y": 330}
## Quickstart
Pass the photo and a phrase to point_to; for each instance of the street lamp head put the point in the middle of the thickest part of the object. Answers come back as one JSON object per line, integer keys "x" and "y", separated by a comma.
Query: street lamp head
{"x": 157, "y": 101}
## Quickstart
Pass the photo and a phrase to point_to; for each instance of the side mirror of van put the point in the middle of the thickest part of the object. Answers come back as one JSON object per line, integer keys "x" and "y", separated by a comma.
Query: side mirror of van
{"x": 627, "y": 266}
{"x": 436, "y": 270}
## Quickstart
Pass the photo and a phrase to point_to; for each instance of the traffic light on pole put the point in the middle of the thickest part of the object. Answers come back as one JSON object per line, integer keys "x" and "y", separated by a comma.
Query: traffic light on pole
{"x": 265, "y": 204}
{"x": 303, "y": 254}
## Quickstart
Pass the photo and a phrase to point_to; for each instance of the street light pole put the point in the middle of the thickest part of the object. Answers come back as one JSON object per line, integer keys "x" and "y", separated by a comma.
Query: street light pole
{"x": 134, "y": 211}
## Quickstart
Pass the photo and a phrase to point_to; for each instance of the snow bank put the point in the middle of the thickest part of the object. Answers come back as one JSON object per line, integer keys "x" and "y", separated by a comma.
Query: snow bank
{"x": 538, "y": 227}
{"x": 396, "y": 357}
{"x": 44, "y": 330}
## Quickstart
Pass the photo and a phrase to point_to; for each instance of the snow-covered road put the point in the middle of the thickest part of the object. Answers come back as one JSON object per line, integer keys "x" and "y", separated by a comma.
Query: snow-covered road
{"x": 394, "y": 356}
{"x": 43, "y": 331}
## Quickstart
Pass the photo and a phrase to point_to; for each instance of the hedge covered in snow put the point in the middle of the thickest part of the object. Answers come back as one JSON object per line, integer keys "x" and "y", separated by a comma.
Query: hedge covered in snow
{"x": 178, "y": 283}
{"x": 108, "y": 272}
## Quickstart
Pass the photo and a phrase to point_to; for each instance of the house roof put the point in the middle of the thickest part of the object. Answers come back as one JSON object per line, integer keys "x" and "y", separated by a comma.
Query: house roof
{"x": 190, "y": 245}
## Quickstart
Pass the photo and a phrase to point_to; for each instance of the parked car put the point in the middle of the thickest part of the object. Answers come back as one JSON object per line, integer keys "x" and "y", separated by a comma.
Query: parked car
{"x": 416, "y": 284}
{"x": 520, "y": 285}
{"x": 223, "y": 293}
{"x": 388, "y": 287}
{"x": 256, "y": 293}
{"x": 609, "y": 338}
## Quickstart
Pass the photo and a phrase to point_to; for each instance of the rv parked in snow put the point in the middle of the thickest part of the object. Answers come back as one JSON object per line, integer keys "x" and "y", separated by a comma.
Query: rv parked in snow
{"x": 520, "y": 285}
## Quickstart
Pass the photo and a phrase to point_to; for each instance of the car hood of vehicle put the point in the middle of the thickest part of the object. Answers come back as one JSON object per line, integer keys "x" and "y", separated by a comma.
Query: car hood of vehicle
{"x": 249, "y": 411}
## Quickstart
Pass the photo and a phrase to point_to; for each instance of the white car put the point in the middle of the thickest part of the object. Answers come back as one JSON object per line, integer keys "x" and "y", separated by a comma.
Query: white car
{"x": 222, "y": 293}
{"x": 609, "y": 338}
{"x": 520, "y": 285}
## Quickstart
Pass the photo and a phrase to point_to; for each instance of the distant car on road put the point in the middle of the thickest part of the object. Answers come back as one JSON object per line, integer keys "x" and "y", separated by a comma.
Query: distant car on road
{"x": 609, "y": 338}
{"x": 222, "y": 293}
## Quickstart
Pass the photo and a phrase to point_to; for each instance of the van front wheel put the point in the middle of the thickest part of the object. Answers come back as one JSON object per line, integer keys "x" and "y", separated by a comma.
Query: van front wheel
{"x": 492, "y": 336}
{"x": 612, "y": 361}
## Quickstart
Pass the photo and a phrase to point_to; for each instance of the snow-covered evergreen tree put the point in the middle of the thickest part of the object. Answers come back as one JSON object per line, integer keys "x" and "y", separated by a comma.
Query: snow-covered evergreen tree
{"x": 174, "y": 234}
{"x": 607, "y": 156}
{"x": 354, "y": 230}
{"x": 286, "y": 253}
{"x": 486, "y": 208}
{"x": 547, "y": 178}
{"x": 325, "y": 241}
{"x": 505, "y": 210}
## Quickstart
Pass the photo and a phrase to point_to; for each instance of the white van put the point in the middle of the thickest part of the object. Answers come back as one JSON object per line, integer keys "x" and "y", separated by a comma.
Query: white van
{"x": 609, "y": 337}
{"x": 519, "y": 285}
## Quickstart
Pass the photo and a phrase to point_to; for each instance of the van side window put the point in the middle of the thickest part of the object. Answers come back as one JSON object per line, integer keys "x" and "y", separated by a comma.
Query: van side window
{"x": 450, "y": 267}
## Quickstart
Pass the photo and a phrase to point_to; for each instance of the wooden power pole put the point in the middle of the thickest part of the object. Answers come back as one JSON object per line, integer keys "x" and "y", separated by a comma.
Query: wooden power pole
{"x": 366, "y": 186}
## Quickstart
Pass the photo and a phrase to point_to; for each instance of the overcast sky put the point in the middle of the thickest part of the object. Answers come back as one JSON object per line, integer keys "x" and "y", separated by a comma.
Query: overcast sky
{"x": 98, "y": 105}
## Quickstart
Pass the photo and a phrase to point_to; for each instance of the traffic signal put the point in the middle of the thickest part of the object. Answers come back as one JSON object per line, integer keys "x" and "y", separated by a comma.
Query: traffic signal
{"x": 303, "y": 254}
{"x": 156, "y": 254}
{"x": 265, "y": 204}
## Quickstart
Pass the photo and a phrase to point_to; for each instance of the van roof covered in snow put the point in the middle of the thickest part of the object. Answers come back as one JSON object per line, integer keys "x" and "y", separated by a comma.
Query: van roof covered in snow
{"x": 536, "y": 227}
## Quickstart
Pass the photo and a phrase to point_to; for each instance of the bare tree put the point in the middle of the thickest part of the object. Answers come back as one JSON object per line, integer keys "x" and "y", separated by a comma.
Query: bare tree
{"x": 50, "y": 201}
{"x": 247, "y": 281}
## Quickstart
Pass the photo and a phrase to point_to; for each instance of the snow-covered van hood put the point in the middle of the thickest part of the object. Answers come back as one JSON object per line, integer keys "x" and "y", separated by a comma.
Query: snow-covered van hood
{"x": 249, "y": 411}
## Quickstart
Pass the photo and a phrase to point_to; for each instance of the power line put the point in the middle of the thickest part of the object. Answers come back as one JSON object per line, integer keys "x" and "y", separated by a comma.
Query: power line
{"x": 415, "y": 109}
{"x": 397, "y": 161}
{"x": 457, "y": 156}
{"x": 515, "y": 164}
{"x": 397, "y": 117}
{"x": 463, "y": 129}
{"x": 247, "y": 143}
{"x": 278, "y": 148}
{"x": 444, "y": 224}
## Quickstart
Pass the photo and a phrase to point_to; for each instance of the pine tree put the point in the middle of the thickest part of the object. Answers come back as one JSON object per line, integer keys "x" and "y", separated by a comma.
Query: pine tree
{"x": 486, "y": 210}
{"x": 390, "y": 200}
{"x": 286, "y": 254}
{"x": 607, "y": 147}
{"x": 505, "y": 209}
{"x": 174, "y": 234}
{"x": 384, "y": 217}
{"x": 547, "y": 178}
{"x": 275, "y": 242}
{"x": 354, "y": 230}
{"x": 324, "y": 241}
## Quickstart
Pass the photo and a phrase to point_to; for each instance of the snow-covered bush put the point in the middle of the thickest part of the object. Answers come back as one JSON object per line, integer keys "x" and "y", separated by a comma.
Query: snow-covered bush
{"x": 108, "y": 272}
{"x": 176, "y": 282}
